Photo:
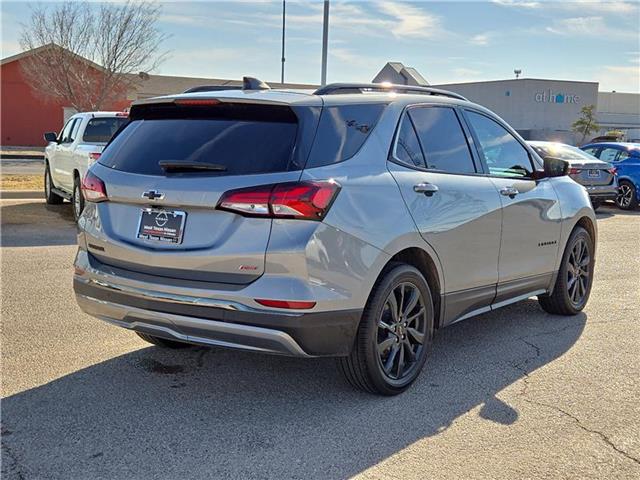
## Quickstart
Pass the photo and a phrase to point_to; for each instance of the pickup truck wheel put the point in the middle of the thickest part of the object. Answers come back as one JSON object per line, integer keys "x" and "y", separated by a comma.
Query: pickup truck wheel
{"x": 77, "y": 199}
{"x": 395, "y": 333}
{"x": 50, "y": 197}
{"x": 162, "y": 342}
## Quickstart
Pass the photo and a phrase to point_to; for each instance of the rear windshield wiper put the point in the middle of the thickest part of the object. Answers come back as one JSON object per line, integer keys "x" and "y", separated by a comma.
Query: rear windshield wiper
{"x": 188, "y": 166}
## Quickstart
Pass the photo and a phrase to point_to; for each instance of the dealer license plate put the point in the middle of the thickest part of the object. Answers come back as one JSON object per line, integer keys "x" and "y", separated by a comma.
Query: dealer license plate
{"x": 161, "y": 225}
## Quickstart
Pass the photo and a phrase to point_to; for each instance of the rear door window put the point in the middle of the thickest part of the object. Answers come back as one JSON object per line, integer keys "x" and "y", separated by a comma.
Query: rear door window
{"x": 443, "y": 141}
{"x": 505, "y": 156}
{"x": 101, "y": 129}
{"x": 608, "y": 154}
{"x": 240, "y": 141}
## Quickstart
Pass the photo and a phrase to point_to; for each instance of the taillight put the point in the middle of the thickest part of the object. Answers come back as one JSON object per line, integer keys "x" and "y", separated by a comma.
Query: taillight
{"x": 286, "y": 304}
{"x": 574, "y": 171}
{"x": 93, "y": 156}
{"x": 309, "y": 200}
{"x": 613, "y": 170}
{"x": 93, "y": 188}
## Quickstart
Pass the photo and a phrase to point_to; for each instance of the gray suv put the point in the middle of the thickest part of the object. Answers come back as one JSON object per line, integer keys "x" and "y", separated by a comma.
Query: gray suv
{"x": 353, "y": 221}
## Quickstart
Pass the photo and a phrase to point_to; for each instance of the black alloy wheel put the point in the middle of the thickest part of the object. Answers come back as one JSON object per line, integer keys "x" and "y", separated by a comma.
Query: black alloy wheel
{"x": 401, "y": 331}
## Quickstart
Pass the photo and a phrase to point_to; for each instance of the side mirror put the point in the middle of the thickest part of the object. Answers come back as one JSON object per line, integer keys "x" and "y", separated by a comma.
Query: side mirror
{"x": 51, "y": 137}
{"x": 555, "y": 167}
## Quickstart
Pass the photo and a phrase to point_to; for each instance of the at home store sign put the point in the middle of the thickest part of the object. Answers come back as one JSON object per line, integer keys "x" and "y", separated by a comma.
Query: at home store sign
{"x": 549, "y": 96}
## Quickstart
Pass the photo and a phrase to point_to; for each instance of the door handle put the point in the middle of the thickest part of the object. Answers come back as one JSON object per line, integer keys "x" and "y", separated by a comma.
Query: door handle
{"x": 427, "y": 188}
{"x": 510, "y": 192}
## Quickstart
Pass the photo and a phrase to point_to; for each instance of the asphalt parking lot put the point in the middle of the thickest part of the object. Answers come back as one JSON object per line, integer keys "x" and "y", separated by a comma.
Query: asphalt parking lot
{"x": 515, "y": 393}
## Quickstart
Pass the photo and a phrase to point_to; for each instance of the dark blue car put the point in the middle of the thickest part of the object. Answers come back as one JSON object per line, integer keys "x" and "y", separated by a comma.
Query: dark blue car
{"x": 626, "y": 158}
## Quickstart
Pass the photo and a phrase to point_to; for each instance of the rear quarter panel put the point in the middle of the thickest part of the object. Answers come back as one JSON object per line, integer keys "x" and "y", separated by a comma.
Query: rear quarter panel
{"x": 369, "y": 207}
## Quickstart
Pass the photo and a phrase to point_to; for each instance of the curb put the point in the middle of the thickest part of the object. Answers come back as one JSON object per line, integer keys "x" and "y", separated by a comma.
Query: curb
{"x": 14, "y": 194}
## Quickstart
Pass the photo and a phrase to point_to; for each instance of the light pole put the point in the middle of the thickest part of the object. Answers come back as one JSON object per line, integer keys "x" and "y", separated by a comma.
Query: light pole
{"x": 284, "y": 11}
{"x": 325, "y": 40}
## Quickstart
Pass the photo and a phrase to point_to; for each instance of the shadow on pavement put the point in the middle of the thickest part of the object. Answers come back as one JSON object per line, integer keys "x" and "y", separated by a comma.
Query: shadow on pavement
{"x": 214, "y": 413}
{"x": 35, "y": 224}
{"x": 610, "y": 209}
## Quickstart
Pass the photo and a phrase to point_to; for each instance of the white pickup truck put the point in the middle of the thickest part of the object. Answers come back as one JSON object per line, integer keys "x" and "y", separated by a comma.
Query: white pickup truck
{"x": 70, "y": 153}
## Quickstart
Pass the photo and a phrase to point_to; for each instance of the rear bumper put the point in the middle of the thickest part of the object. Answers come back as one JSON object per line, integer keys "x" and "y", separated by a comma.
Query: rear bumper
{"x": 607, "y": 192}
{"x": 220, "y": 323}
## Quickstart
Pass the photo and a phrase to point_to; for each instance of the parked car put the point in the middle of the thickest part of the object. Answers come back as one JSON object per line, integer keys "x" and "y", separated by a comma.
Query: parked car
{"x": 351, "y": 222}
{"x": 626, "y": 158}
{"x": 596, "y": 176}
{"x": 71, "y": 152}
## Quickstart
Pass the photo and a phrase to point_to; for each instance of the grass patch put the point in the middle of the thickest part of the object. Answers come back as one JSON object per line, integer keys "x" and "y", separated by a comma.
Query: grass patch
{"x": 14, "y": 181}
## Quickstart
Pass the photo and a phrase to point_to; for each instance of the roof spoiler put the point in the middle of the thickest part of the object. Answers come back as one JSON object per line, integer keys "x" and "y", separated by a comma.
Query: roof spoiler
{"x": 343, "y": 88}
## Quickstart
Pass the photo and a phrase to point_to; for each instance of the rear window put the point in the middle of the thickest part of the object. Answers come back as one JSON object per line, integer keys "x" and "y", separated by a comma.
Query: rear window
{"x": 100, "y": 130}
{"x": 244, "y": 141}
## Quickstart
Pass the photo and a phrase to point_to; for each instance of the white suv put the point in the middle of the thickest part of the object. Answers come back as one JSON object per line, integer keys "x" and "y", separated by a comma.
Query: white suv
{"x": 73, "y": 151}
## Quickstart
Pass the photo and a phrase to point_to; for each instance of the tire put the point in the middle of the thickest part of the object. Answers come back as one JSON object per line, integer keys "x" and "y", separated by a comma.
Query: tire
{"x": 596, "y": 204}
{"x": 77, "y": 199}
{"x": 627, "y": 198}
{"x": 570, "y": 297}
{"x": 50, "y": 197}
{"x": 163, "y": 342}
{"x": 379, "y": 336}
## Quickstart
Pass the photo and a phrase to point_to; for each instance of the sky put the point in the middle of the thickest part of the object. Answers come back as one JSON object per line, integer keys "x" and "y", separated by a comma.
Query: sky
{"x": 446, "y": 41}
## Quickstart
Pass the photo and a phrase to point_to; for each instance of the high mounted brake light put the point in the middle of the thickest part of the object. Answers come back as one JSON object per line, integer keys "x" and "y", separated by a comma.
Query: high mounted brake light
{"x": 93, "y": 188}
{"x": 196, "y": 102}
{"x": 307, "y": 200}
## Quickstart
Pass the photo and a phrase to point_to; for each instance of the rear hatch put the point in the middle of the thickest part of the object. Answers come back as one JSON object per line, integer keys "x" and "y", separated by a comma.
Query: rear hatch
{"x": 584, "y": 168}
{"x": 592, "y": 174}
{"x": 165, "y": 172}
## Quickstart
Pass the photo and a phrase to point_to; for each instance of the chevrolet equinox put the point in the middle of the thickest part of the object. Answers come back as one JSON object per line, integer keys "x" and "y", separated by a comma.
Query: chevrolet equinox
{"x": 353, "y": 221}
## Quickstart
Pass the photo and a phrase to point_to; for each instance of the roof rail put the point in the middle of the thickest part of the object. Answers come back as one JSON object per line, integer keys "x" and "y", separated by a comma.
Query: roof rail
{"x": 338, "y": 88}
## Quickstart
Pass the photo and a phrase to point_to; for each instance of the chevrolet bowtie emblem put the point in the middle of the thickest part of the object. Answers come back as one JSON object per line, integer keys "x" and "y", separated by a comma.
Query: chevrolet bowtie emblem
{"x": 153, "y": 195}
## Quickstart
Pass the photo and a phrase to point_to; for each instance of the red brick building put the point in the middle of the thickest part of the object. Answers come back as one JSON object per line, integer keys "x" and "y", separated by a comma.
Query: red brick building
{"x": 27, "y": 113}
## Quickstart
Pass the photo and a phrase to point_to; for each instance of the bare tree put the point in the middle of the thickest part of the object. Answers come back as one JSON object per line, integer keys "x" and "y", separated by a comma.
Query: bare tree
{"x": 89, "y": 55}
